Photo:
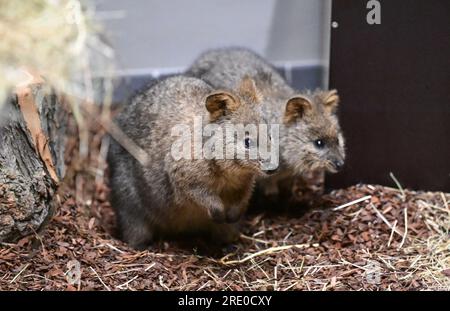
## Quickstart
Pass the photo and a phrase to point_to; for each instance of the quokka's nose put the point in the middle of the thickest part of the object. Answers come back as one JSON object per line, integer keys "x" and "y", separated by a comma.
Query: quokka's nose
{"x": 338, "y": 164}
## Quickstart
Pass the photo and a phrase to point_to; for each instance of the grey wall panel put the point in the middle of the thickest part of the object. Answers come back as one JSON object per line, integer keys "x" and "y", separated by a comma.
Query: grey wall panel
{"x": 160, "y": 37}
{"x": 159, "y": 34}
{"x": 164, "y": 35}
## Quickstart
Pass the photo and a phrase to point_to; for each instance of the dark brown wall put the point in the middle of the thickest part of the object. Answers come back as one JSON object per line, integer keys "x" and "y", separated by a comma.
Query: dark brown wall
{"x": 394, "y": 82}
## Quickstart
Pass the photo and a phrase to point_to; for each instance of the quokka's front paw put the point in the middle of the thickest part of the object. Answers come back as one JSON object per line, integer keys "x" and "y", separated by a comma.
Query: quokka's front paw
{"x": 234, "y": 213}
{"x": 217, "y": 214}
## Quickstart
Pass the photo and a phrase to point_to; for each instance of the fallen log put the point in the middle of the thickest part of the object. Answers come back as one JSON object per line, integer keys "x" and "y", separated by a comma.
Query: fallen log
{"x": 32, "y": 137}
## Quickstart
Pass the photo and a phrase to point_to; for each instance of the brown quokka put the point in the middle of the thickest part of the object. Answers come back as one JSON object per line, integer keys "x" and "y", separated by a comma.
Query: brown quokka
{"x": 166, "y": 196}
{"x": 310, "y": 136}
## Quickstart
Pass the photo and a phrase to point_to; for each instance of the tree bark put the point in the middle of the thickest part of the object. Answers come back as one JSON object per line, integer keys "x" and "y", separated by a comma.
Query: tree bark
{"x": 32, "y": 137}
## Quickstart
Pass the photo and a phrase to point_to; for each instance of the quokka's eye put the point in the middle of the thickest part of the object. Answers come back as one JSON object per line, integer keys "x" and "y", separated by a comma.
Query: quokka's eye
{"x": 319, "y": 143}
{"x": 247, "y": 142}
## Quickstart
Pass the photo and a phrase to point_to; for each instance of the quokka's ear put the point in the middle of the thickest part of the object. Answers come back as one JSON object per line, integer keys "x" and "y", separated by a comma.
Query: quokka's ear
{"x": 218, "y": 103}
{"x": 297, "y": 107}
{"x": 331, "y": 100}
{"x": 247, "y": 89}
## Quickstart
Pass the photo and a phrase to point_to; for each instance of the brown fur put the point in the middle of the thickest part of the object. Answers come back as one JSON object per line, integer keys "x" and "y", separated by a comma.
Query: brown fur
{"x": 166, "y": 197}
{"x": 296, "y": 107}
{"x": 303, "y": 118}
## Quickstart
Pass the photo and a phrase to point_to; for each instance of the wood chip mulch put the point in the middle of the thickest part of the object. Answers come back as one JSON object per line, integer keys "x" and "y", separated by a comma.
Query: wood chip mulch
{"x": 393, "y": 240}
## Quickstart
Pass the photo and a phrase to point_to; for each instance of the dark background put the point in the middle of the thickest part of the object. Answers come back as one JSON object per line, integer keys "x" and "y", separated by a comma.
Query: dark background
{"x": 394, "y": 81}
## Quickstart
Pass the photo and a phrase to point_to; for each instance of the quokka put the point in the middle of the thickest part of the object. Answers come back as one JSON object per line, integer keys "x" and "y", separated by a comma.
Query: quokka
{"x": 311, "y": 139}
{"x": 165, "y": 197}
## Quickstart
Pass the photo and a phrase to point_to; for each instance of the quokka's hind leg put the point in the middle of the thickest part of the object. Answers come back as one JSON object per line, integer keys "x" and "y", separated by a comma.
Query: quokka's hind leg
{"x": 126, "y": 199}
{"x": 135, "y": 231}
{"x": 134, "y": 227}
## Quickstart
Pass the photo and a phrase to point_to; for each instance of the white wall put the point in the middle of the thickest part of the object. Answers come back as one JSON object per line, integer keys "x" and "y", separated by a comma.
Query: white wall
{"x": 296, "y": 31}
{"x": 165, "y": 34}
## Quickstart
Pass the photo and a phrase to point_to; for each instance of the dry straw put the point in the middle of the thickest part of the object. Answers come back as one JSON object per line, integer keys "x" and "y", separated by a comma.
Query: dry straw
{"x": 59, "y": 41}
{"x": 56, "y": 39}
